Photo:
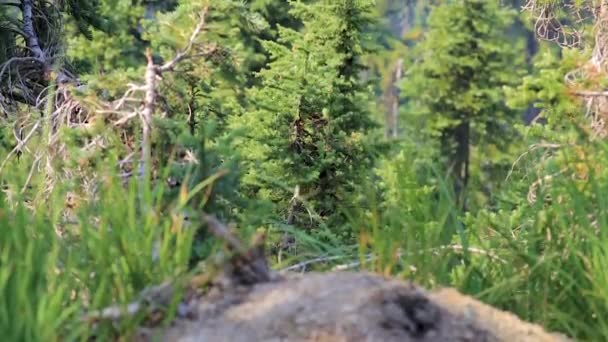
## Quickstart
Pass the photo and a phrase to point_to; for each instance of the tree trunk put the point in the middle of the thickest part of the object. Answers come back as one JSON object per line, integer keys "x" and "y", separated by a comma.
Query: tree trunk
{"x": 392, "y": 103}
{"x": 457, "y": 149}
{"x": 600, "y": 50}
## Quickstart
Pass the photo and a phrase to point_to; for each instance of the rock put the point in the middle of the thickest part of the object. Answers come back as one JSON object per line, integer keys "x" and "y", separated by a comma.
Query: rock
{"x": 344, "y": 306}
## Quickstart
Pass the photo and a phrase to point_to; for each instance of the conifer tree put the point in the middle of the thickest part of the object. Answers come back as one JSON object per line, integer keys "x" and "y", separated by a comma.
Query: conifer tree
{"x": 306, "y": 143}
{"x": 194, "y": 100}
{"x": 456, "y": 89}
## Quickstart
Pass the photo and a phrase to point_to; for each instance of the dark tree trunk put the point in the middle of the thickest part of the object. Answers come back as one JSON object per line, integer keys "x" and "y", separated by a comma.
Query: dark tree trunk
{"x": 457, "y": 149}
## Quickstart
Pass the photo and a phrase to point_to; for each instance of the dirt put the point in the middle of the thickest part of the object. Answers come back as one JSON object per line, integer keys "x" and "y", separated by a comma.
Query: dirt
{"x": 344, "y": 306}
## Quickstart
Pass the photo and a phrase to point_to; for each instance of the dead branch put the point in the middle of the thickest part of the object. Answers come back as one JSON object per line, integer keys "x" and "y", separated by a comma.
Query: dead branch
{"x": 147, "y": 112}
{"x": 19, "y": 145}
{"x": 155, "y": 298}
{"x": 113, "y": 313}
{"x": 301, "y": 266}
{"x": 12, "y": 60}
{"x": 592, "y": 93}
{"x": 400, "y": 255}
{"x": 354, "y": 264}
{"x": 31, "y": 173}
{"x": 184, "y": 53}
{"x": 532, "y": 148}
{"x": 583, "y": 14}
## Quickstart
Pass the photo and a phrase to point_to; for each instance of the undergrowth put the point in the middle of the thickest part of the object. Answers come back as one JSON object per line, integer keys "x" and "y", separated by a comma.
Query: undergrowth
{"x": 57, "y": 266}
{"x": 84, "y": 226}
{"x": 542, "y": 257}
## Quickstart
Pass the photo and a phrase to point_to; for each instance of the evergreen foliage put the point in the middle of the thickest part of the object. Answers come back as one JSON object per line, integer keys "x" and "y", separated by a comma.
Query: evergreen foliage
{"x": 309, "y": 131}
{"x": 456, "y": 89}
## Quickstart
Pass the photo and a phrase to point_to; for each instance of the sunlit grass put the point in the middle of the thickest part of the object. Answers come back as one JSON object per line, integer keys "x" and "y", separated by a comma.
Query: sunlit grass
{"x": 54, "y": 268}
{"x": 543, "y": 260}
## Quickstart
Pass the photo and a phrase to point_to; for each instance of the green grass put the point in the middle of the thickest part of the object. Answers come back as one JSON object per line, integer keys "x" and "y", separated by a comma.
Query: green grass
{"x": 546, "y": 260}
{"x": 53, "y": 269}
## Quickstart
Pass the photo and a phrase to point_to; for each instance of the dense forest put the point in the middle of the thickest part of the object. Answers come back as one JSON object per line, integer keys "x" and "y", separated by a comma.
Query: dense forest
{"x": 449, "y": 142}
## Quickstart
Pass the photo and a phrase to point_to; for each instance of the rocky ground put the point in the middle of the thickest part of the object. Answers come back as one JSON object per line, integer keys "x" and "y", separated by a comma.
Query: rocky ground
{"x": 344, "y": 306}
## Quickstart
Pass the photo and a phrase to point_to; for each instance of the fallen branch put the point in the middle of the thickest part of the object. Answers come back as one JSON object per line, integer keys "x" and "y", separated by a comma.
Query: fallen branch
{"x": 353, "y": 264}
{"x": 154, "y": 299}
{"x": 220, "y": 231}
{"x": 302, "y": 265}
{"x": 113, "y": 313}
{"x": 399, "y": 254}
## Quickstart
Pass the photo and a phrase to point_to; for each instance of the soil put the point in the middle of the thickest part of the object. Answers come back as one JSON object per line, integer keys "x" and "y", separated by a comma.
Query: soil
{"x": 344, "y": 306}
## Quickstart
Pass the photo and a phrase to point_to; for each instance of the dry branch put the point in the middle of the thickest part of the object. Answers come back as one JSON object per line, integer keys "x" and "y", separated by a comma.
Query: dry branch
{"x": 130, "y": 106}
{"x": 532, "y": 148}
{"x": 220, "y": 231}
{"x": 147, "y": 112}
{"x": 399, "y": 254}
{"x": 583, "y": 14}
{"x": 184, "y": 53}
{"x": 19, "y": 146}
{"x": 301, "y": 266}
{"x": 592, "y": 93}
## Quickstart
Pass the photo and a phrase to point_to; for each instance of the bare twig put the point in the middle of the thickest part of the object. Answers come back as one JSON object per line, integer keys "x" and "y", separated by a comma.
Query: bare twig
{"x": 12, "y": 60}
{"x": 548, "y": 27}
{"x": 184, "y": 53}
{"x": 354, "y": 264}
{"x": 113, "y": 313}
{"x": 154, "y": 298}
{"x": 532, "y": 148}
{"x": 146, "y": 111}
{"x": 31, "y": 173}
{"x": 302, "y": 265}
{"x": 19, "y": 145}
{"x": 399, "y": 254}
